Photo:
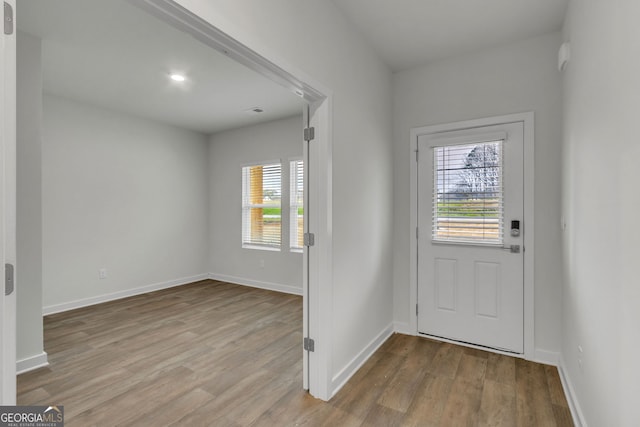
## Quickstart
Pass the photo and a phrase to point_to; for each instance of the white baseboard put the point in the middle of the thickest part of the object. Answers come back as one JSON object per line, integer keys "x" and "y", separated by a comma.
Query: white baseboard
{"x": 341, "y": 378}
{"x": 403, "y": 328}
{"x": 256, "y": 284}
{"x": 31, "y": 363}
{"x": 58, "y": 308}
{"x": 572, "y": 399}
{"x": 546, "y": 357}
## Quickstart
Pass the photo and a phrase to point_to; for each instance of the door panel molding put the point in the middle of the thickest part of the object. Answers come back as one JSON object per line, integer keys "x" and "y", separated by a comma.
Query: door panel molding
{"x": 527, "y": 119}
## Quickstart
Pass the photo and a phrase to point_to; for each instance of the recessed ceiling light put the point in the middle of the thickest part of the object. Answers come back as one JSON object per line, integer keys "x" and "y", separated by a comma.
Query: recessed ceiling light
{"x": 177, "y": 77}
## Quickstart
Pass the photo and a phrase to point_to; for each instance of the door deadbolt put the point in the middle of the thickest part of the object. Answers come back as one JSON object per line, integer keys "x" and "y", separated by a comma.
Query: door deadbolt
{"x": 515, "y": 228}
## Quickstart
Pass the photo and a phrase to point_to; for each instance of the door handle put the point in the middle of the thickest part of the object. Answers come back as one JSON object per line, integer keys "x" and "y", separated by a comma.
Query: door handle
{"x": 514, "y": 249}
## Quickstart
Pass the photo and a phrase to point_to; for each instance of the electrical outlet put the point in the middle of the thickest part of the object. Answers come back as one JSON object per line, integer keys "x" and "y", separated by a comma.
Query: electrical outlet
{"x": 102, "y": 273}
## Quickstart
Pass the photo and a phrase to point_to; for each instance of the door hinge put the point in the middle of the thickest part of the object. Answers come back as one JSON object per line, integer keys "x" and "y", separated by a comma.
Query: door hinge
{"x": 309, "y": 239}
{"x": 417, "y": 155}
{"x": 8, "y": 18}
{"x": 309, "y": 344}
{"x": 416, "y": 309}
{"x": 309, "y": 134}
{"x": 9, "y": 284}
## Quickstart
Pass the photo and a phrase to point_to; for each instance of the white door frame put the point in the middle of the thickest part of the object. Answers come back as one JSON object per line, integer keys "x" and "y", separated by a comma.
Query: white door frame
{"x": 528, "y": 221}
{"x": 8, "y": 212}
{"x": 317, "y": 293}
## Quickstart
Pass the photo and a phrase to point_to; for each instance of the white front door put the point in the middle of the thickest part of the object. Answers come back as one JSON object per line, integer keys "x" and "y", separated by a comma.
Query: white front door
{"x": 8, "y": 205}
{"x": 470, "y": 236}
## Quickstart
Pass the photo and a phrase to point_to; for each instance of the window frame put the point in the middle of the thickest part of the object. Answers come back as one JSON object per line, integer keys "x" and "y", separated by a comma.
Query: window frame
{"x": 247, "y": 207}
{"x": 294, "y": 206}
{"x": 436, "y": 238}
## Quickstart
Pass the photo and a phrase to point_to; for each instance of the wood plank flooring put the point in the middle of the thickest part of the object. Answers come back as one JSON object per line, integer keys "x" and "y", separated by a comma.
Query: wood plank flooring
{"x": 217, "y": 354}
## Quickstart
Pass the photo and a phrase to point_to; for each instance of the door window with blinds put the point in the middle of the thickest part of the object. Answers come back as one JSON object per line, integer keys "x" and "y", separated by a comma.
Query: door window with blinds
{"x": 468, "y": 193}
{"x": 262, "y": 206}
{"x": 296, "y": 205}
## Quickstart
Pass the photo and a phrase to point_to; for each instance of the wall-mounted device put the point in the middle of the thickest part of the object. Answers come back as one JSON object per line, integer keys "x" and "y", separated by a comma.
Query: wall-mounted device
{"x": 564, "y": 55}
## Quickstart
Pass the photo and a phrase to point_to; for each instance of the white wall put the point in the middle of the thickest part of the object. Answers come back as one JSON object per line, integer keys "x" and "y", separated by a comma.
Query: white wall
{"x": 514, "y": 78}
{"x": 229, "y": 151}
{"x": 601, "y": 294}
{"x": 314, "y": 38}
{"x": 121, "y": 193}
{"x": 29, "y": 196}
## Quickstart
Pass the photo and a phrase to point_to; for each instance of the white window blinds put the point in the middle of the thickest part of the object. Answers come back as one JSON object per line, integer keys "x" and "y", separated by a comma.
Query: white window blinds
{"x": 261, "y": 206}
{"x": 296, "y": 205}
{"x": 468, "y": 193}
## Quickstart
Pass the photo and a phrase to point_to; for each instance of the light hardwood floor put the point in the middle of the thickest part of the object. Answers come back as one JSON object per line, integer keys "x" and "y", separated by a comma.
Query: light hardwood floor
{"x": 213, "y": 353}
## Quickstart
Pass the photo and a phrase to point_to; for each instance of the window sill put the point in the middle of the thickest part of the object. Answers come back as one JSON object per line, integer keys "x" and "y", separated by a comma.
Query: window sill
{"x": 261, "y": 248}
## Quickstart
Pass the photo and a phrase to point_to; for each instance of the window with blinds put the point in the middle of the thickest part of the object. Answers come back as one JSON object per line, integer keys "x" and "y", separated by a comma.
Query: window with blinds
{"x": 467, "y": 193}
{"x": 296, "y": 205}
{"x": 261, "y": 206}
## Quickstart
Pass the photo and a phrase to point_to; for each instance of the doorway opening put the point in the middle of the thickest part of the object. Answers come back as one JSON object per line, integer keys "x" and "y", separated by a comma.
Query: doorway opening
{"x": 316, "y": 155}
